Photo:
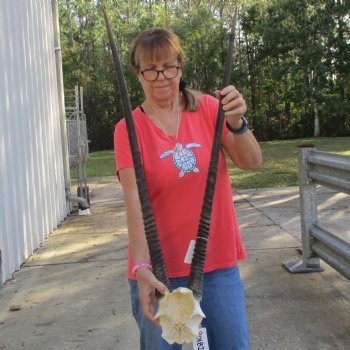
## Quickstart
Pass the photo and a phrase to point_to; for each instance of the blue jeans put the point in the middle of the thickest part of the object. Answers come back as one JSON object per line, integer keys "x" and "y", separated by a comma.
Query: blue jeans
{"x": 222, "y": 303}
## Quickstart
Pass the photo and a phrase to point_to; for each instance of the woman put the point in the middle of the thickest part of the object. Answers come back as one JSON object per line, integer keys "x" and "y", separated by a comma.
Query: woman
{"x": 175, "y": 129}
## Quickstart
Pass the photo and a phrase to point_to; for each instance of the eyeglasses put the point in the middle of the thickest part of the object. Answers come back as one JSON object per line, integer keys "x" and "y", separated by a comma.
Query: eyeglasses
{"x": 152, "y": 74}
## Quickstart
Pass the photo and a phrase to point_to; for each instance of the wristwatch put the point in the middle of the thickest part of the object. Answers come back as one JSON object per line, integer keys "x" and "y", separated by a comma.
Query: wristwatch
{"x": 244, "y": 127}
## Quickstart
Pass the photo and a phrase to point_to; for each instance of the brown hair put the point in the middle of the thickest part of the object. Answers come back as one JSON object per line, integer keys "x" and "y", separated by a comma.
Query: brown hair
{"x": 155, "y": 44}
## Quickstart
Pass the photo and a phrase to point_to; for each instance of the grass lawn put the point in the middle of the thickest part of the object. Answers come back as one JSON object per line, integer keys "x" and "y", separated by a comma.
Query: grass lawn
{"x": 279, "y": 164}
{"x": 100, "y": 163}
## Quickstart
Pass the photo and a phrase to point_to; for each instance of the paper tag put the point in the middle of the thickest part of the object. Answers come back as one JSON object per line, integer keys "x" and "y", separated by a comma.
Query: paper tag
{"x": 189, "y": 254}
{"x": 201, "y": 341}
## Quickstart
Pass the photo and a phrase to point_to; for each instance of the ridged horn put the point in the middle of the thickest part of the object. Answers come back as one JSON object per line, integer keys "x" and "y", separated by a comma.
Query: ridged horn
{"x": 195, "y": 280}
{"x": 153, "y": 243}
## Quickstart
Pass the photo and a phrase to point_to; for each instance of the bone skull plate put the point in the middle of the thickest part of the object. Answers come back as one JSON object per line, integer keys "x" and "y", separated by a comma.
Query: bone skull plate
{"x": 179, "y": 316}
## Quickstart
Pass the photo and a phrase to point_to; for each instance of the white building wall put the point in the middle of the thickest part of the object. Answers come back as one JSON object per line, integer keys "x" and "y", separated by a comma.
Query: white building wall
{"x": 32, "y": 193}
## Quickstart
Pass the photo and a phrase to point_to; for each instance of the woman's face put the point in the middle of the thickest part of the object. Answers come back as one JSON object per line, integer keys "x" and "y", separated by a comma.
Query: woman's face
{"x": 161, "y": 90}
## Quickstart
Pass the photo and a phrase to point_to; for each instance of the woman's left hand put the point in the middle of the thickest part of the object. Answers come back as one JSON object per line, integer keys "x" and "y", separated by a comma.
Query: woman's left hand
{"x": 234, "y": 105}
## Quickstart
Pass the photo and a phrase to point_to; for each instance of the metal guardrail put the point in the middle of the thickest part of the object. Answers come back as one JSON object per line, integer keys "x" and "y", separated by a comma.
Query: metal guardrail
{"x": 333, "y": 171}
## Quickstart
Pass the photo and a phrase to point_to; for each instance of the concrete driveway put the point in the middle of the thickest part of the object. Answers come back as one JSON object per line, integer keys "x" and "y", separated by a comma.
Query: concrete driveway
{"x": 73, "y": 292}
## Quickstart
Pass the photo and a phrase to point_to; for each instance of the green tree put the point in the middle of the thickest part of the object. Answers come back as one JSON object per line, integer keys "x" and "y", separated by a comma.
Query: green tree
{"x": 290, "y": 61}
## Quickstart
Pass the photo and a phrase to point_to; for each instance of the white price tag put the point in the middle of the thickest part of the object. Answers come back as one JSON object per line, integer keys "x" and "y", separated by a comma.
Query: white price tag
{"x": 201, "y": 341}
{"x": 189, "y": 254}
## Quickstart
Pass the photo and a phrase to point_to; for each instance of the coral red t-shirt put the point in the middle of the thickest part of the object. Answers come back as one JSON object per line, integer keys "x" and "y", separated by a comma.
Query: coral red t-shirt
{"x": 176, "y": 183}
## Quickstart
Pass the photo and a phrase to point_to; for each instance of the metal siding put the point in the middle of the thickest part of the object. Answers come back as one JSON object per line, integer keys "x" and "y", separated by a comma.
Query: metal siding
{"x": 3, "y": 176}
{"x": 40, "y": 119}
{"x": 17, "y": 146}
{"x": 31, "y": 101}
{"x": 26, "y": 133}
{"x": 43, "y": 120}
{"x": 9, "y": 252}
{"x": 53, "y": 109}
{"x": 36, "y": 195}
{"x": 57, "y": 169}
{"x": 32, "y": 193}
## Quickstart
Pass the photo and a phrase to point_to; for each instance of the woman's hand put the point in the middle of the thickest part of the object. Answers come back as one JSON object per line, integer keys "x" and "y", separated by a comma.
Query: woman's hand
{"x": 243, "y": 148}
{"x": 148, "y": 284}
{"x": 234, "y": 105}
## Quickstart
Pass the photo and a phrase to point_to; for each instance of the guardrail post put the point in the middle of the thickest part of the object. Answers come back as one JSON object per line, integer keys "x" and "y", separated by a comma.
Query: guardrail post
{"x": 308, "y": 209}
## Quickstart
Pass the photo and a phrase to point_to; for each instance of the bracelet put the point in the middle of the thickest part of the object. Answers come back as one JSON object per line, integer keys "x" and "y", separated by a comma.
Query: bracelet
{"x": 244, "y": 128}
{"x": 140, "y": 265}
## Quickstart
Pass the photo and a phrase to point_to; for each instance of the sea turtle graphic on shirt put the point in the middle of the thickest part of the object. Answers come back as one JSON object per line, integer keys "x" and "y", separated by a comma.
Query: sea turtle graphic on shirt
{"x": 183, "y": 158}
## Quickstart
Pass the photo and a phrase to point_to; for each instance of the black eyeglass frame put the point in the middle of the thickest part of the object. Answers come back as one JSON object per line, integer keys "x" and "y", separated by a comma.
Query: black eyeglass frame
{"x": 160, "y": 71}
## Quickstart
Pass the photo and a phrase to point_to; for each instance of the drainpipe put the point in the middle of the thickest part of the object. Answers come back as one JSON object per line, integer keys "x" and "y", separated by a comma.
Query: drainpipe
{"x": 61, "y": 109}
{"x": 80, "y": 200}
{"x": 60, "y": 91}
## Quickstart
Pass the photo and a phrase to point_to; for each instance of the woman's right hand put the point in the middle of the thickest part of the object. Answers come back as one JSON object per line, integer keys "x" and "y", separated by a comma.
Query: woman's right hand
{"x": 148, "y": 284}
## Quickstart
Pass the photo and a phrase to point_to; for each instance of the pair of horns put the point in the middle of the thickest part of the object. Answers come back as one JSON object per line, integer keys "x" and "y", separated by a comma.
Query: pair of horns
{"x": 195, "y": 280}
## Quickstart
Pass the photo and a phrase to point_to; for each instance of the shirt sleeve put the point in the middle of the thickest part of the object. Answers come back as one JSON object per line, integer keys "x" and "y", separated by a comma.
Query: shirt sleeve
{"x": 122, "y": 152}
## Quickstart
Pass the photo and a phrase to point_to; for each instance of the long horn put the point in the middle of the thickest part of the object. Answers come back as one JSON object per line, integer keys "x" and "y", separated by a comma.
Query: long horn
{"x": 153, "y": 243}
{"x": 195, "y": 280}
